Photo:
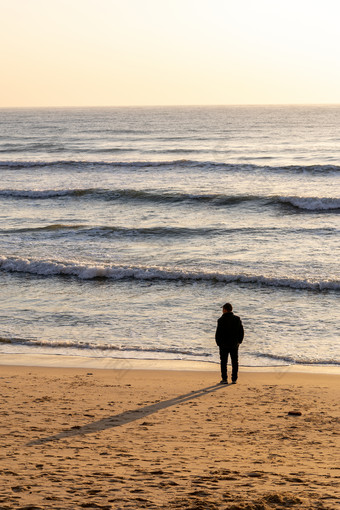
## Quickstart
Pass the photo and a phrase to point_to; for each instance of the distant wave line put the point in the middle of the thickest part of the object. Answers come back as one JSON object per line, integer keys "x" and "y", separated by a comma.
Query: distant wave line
{"x": 117, "y": 230}
{"x": 107, "y": 230}
{"x": 106, "y": 194}
{"x": 303, "y": 203}
{"x": 151, "y": 273}
{"x": 184, "y": 163}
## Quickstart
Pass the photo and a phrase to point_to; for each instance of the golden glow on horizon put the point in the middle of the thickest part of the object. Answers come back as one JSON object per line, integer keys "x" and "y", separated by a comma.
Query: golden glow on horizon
{"x": 168, "y": 52}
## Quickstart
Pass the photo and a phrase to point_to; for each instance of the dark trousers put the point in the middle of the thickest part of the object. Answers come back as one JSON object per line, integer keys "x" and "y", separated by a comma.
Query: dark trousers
{"x": 224, "y": 353}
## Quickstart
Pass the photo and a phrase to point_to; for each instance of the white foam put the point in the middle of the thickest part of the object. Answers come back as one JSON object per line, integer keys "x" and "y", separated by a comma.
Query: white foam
{"x": 312, "y": 203}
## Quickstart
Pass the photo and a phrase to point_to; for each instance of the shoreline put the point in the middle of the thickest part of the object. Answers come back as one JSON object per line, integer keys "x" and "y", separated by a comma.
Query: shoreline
{"x": 57, "y": 361}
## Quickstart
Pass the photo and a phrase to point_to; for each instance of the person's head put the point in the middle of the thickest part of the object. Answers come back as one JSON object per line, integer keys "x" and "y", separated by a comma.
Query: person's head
{"x": 227, "y": 308}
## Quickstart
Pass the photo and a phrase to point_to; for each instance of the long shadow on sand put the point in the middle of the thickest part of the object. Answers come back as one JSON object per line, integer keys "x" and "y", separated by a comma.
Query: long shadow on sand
{"x": 127, "y": 416}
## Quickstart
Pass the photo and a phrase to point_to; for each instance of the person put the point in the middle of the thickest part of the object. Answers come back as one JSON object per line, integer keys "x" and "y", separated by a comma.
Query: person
{"x": 229, "y": 335}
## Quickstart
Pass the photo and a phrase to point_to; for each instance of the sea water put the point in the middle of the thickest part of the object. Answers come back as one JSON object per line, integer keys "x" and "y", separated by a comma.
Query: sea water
{"x": 124, "y": 230}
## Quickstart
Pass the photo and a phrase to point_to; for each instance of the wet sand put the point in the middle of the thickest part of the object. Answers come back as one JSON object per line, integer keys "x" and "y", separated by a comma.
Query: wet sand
{"x": 89, "y": 438}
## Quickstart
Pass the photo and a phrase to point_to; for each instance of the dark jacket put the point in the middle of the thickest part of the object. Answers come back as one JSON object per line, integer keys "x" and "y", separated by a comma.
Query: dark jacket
{"x": 229, "y": 332}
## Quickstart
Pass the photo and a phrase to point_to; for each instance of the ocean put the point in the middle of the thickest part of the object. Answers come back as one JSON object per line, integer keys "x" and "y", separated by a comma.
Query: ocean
{"x": 124, "y": 230}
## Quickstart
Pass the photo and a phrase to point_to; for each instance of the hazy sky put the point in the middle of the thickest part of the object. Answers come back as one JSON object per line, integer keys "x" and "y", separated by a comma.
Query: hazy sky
{"x": 169, "y": 52}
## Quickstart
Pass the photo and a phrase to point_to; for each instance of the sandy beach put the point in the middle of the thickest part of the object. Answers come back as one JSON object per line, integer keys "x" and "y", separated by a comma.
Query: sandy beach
{"x": 89, "y": 438}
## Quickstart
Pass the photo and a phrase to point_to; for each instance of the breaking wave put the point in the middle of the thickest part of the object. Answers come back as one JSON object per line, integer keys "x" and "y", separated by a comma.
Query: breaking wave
{"x": 115, "y": 272}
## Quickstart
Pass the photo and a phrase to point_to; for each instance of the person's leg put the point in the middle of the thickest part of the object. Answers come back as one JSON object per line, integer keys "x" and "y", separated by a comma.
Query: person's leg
{"x": 224, "y": 360}
{"x": 234, "y": 363}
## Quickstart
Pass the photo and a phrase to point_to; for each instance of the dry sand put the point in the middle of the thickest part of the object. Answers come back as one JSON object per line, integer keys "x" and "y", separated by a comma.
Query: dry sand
{"x": 120, "y": 439}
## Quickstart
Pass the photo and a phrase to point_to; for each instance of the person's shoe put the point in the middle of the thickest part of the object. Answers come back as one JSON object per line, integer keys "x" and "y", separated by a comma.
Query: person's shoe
{"x": 233, "y": 382}
{"x": 224, "y": 381}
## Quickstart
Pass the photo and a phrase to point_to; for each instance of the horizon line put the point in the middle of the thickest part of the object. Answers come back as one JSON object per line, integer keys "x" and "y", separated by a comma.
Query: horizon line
{"x": 170, "y": 105}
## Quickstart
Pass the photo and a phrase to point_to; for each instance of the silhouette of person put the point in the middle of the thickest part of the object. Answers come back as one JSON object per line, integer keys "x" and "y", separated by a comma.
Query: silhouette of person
{"x": 229, "y": 335}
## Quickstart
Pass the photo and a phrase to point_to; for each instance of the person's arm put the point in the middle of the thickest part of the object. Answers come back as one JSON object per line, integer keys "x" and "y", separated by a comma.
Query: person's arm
{"x": 241, "y": 333}
{"x": 218, "y": 333}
